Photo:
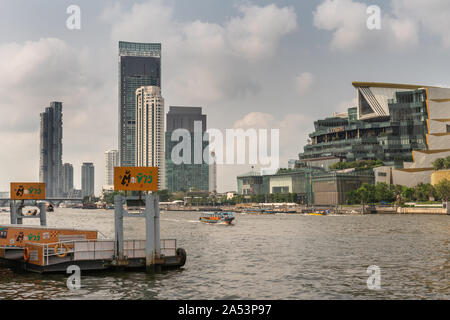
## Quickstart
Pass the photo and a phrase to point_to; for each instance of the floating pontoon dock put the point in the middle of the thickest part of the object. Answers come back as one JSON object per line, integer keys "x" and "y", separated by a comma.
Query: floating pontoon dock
{"x": 43, "y": 249}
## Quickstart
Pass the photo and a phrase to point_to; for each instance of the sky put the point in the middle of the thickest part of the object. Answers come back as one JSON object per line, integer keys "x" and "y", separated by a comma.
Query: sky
{"x": 250, "y": 64}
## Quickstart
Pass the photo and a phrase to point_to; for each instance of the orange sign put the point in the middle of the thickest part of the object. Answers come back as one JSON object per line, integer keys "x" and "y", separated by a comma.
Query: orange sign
{"x": 27, "y": 190}
{"x": 136, "y": 178}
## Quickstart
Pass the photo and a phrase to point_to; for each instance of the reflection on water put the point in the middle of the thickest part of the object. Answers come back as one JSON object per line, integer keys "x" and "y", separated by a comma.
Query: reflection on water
{"x": 263, "y": 257}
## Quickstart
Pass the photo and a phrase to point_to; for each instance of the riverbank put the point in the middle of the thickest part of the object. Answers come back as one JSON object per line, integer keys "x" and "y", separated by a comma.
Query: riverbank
{"x": 346, "y": 210}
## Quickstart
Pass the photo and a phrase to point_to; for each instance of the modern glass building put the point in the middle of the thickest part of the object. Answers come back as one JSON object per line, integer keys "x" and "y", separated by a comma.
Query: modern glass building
{"x": 312, "y": 185}
{"x": 193, "y": 175}
{"x": 87, "y": 179}
{"x": 139, "y": 65}
{"x": 405, "y": 126}
{"x": 50, "y": 166}
{"x": 389, "y": 122}
{"x": 68, "y": 178}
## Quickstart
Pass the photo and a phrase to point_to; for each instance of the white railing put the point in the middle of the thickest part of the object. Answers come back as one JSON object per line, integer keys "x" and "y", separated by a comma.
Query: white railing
{"x": 101, "y": 249}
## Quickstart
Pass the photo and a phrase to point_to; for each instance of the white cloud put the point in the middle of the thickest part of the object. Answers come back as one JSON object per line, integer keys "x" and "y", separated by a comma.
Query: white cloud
{"x": 34, "y": 73}
{"x": 431, "y": 15}
{"x": 293, "y": 128}
{"x": 347, "y": 19}
{"x": 206, "y": 62}
{"x": 257, "y": 33}
{"x": 304, "y": 82}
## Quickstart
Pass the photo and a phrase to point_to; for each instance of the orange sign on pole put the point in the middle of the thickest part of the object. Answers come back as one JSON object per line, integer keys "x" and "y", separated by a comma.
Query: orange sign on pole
{"x": 27, "y": 190}
{"x": 136, "y": 178}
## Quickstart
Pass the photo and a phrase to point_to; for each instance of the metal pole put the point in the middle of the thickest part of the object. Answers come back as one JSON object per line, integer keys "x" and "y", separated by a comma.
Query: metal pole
{"x": 149, "y": 232}
{"x": 157, "y": 227}
{"x": 19, "y": 213}
{"x": 157, "y": 236}
{"x": 118, "y": 226}
{"x": 42, "y": 213}
{"x": 12, "y": 212}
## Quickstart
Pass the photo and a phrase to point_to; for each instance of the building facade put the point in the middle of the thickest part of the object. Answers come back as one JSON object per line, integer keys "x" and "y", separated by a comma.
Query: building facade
{"x": 87, "y": 179}
{"x": 50, "y": 166}
{"x": 149, "y": 142}
{"x": 213, "y": 172}
{"x": 405, "y": 126}
{"x": 313, "y": 185}
{"x": 111, "y": 161}
{"x": 194, "y": 173}
{"x": 68, "y": 178}
{"x": 331, "y": 188}
{"x": 139, "y": 65}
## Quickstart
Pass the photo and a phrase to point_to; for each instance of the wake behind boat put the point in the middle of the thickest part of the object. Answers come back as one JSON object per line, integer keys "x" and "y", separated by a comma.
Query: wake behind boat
{"x": 217, "y": 217}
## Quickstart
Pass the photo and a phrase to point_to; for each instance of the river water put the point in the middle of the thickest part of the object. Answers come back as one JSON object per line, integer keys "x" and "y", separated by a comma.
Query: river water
{"x": 263, "y": 257}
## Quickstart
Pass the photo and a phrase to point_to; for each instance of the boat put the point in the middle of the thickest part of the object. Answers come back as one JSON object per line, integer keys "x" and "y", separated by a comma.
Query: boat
{"x": 217, "y": 217}
{"x": 89, "y": 205}
{"x": 317, "y": 213}
{"x": 258, "y": 211}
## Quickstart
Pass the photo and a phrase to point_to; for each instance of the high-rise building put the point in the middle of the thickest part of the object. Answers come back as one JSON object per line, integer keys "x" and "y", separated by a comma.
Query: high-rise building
{"x": 406, "y": 126}
{"x": 111, "y": 161}
{"x": 68, "y": 178}
{"x": 87, "y": 179}
{"x": 195, "y": 173}
{"x": 150, "y": 130}
{"x": 139, "y": 65}
{"x": 213, "y": 173}
{"x": 50, "y": 166}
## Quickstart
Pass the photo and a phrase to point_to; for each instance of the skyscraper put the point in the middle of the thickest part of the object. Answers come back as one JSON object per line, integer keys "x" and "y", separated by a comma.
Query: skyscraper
{"x": 68, "y": 178}
{"x": 213, "y": 173}
{"x": 150, "y": 130}
{"x": 50, "y": 166}
{"x": 195, "y": 173}
{"x": 139, "y": 65}
{"x": 111, "y": 161}
{"x": 87, "y": 179}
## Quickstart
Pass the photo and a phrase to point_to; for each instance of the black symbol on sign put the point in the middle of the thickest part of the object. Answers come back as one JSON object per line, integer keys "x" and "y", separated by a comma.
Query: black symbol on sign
{"x": 126, "y": 179}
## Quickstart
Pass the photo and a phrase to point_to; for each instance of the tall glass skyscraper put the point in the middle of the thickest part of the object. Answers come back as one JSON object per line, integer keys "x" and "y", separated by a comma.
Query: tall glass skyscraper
{"x": 50, "y": 166}
{"x": 68, "y": 178}
{"x": 139, "y": 65}
{"x": 87, "y": 179}
{"x": 186, "y": 176}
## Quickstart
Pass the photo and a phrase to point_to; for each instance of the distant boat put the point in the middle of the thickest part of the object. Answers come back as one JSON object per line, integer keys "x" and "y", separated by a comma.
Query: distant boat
{"x": 317, "y": 213}
{"x": 217, "y": 217}
{"x": 258, "y": 211}
{"x": 89, "y": 206}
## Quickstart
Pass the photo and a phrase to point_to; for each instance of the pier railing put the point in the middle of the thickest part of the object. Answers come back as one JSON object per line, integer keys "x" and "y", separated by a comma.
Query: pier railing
{"x": 101, "y": 249}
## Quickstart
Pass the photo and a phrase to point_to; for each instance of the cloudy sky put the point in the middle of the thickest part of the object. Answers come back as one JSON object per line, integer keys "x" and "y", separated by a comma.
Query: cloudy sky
{"x": 249, "y": 64}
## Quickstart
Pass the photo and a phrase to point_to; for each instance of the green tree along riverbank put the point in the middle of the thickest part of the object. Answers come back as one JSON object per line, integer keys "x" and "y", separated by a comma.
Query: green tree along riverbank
{"x": 366, "y": 194}
{"x": 384, "y": 193}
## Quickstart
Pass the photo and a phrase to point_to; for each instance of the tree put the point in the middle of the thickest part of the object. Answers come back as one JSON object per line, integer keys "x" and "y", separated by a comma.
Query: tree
{"x": 367, "y": 194}
{"x": 423, "y": 192}
{"x": 108, "y": 196}
{"x": 408, "y": 193}
{"x": 384, "y": 193}
{"x": 447, "y": 163}
{"x": 164, "y": 195}
{"x": 439, "y": 164}
{"x": 353, "y": 197}
{"x": 443, "y": 190}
